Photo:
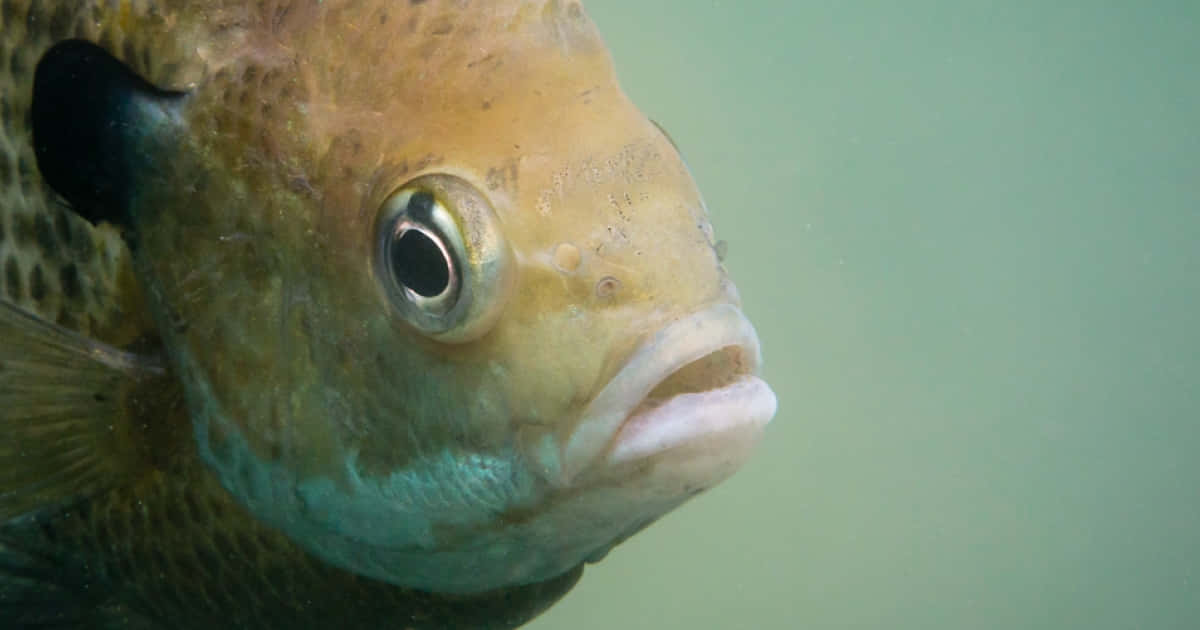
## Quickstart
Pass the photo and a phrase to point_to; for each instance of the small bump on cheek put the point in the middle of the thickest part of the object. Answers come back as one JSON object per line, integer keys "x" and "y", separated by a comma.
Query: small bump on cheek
{"x": 567, "y": 258}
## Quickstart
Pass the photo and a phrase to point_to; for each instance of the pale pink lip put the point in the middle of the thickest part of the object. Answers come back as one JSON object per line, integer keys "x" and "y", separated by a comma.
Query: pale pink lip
{"x": 740, "y": 408}
{"x": 614, "y": 430}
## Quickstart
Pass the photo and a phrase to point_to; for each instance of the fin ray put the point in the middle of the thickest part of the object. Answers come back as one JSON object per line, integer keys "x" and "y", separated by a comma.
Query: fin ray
{"x": 61, "y": 413}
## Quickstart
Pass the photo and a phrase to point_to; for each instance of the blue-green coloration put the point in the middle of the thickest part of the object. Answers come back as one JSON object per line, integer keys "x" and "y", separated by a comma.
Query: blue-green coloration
{"x": 388, "y": 313}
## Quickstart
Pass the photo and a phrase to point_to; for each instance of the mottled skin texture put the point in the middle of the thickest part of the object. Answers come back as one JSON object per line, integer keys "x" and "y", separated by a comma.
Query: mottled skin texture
{"x": 53, "y": 262}
{"x": 302, "y": 117}
{"x": 169, "y": 548}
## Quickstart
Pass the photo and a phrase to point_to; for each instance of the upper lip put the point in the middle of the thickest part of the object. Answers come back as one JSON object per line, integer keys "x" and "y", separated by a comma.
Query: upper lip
{"x": 662, "y": 355}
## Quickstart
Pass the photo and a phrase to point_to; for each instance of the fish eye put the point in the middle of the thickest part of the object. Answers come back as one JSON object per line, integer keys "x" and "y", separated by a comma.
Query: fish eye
{"x": 441, "y": 257}
{"x": 421, "y": 252}
{"x": 421, "y": 264}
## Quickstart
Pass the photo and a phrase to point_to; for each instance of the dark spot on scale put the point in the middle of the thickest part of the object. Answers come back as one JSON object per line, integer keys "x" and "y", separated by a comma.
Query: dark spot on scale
{"x": 158, "y": 560}
{"x": 487, "y": 105}
{"x": 37, "y": 284}
{"x": 16, "y": 67}
{"x": 6, "y": 166}
{"x": 27, "y": 187}
{"x": 147, "y": 58}
{"x": 66, "y": 319}
{"x": 44, "y": 233}
{"x": 24, "y": 177}
{"x": 24, "y": 167}
{"x": 60, "y": 21}
{"x": 31, "y": 18}
{"x": 48, "y": 530}
{"x": 140, "y": 557}
{"x": 22, "y": 229}
{"x": 177, "y": 516}
{"x": 81, "y": 245}
{"x": 62, "y": 227}
{"x": 8, "y": 10}
{"x": 108, "y": 39}
{"x": 125, "y": 562}
{"x": 68, "y": 277}
{"x": 210, "y": 564}
{"x": 194, "y": 506}
{"x": 129, "y": 50}
{"x": 416, "y": 2}
{"x": 12, "y": 279}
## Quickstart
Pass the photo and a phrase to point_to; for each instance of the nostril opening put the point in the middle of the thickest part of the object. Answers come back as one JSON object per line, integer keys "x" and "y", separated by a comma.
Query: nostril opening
{"x": 607, "y": 287}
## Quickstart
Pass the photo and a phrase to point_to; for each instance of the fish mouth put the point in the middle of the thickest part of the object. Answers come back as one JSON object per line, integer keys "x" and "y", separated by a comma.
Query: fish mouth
{"x": 694, "y": 382}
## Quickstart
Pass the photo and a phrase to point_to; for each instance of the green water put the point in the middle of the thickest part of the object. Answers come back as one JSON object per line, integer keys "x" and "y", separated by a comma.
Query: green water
{"x": 968, "y": 233}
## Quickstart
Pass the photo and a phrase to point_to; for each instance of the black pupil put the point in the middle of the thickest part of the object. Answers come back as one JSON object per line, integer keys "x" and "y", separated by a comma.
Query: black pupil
{"x": 419, "y": 264}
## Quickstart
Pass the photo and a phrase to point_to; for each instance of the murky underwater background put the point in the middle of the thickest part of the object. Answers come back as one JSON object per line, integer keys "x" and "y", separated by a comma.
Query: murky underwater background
{"x": 968, "y": 233}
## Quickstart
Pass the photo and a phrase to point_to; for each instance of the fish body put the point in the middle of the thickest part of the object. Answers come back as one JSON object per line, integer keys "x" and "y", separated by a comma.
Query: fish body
{"x": 343, "y": 313}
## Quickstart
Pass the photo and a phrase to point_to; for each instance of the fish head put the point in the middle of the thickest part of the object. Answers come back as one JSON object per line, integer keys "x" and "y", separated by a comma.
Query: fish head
{"x": 447, "y": 306}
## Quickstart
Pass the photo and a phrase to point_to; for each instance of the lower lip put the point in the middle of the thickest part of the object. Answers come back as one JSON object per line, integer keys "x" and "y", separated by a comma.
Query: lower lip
{"x": 735, "y": 411}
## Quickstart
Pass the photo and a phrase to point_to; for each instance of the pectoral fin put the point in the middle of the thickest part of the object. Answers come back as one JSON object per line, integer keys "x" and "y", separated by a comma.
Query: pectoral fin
{"x": 72, "y": 413}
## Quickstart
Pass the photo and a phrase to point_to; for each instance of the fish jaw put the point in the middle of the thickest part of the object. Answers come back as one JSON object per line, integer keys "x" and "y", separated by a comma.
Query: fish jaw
{"x": 682, "y": 414}
{"x": 625, "y": 423}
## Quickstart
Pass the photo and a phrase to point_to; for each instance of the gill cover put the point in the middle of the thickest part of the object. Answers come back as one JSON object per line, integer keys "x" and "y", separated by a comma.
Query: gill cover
{"x": 97, "y": 127}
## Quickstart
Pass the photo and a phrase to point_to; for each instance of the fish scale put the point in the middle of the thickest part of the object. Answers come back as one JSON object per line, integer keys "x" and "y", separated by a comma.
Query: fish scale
{"x": 235, "y": 394}
{"x": 55, "y": 263}
{"x": 173, "y": 550}
{"x": 189, "y": 558}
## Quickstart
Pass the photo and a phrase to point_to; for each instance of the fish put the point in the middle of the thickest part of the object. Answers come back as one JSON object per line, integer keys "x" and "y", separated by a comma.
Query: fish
{"x": 343, "y": 313}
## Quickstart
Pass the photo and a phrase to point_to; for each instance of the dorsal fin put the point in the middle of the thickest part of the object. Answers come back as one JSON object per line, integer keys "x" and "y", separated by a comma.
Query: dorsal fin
{"x": 69, "y": 413}
{"x": 90, "y": 116}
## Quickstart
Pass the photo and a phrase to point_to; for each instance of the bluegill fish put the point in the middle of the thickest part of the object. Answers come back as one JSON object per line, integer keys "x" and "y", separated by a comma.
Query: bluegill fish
{"x": 343, "y": 313}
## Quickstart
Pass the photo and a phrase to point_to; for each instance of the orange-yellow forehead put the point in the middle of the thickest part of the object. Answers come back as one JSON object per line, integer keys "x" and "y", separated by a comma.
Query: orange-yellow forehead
{"x": 346, "y": 101}
{"x": 409, "y": 70}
